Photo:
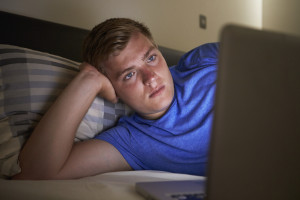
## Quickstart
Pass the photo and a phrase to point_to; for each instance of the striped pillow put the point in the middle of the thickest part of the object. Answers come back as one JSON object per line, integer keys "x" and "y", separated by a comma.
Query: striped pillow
{"x": 29, "y": 83}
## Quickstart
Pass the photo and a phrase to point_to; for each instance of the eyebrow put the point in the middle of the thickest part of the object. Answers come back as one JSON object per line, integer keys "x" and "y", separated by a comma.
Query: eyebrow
{"x": 148, "y": 52}
{"x": 143, "y": 58}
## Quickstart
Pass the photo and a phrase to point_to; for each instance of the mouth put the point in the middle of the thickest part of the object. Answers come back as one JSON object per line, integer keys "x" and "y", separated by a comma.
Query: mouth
{"x": 157, "y": 91}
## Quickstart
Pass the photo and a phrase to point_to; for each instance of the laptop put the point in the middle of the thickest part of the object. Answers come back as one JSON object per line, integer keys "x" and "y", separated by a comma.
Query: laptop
{"x": 255, "y": 142}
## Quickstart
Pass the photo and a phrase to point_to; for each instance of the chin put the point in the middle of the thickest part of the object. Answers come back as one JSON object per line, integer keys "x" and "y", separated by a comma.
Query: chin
{"x": 161, "y": 110}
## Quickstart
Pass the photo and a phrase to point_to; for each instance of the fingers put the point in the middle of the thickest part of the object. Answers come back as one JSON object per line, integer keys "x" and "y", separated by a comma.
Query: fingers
{"x": 87, "y": 66}
{"x": 107, "y": 91}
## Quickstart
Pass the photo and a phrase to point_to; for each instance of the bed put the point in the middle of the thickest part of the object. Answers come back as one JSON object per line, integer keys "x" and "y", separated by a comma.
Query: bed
{"x": 37, "y": 60}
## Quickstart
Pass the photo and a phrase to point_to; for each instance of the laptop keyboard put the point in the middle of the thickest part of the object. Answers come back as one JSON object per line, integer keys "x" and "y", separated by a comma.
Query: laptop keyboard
{"x": 196, "y": 196}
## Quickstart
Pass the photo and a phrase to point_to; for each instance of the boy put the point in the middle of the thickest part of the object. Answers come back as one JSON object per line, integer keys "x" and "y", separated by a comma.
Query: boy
{"x": 173, "y": 109}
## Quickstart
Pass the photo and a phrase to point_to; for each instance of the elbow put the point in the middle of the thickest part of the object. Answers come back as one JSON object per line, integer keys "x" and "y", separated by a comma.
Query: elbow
{"x": 20, "y": 176}
{"x": 32, "y": 176}
{"x": 33, "y": 173}
{"x": 29, "y": 176}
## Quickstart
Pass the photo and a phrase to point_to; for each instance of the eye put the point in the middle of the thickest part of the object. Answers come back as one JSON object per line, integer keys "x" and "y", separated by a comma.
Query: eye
{"x": 151, "y": 58}
{"x": 129, "y": 76}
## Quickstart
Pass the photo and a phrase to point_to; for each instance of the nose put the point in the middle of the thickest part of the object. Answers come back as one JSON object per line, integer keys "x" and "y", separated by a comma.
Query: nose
{"x": 149, "y": 78}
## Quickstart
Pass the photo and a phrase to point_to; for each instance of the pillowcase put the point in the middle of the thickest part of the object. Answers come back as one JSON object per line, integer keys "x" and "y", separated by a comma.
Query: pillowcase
{"x": 30, "y": 81}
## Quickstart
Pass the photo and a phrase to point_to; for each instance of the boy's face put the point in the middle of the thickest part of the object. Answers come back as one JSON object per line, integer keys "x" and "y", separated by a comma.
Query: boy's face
{"x": 141, "y": 77}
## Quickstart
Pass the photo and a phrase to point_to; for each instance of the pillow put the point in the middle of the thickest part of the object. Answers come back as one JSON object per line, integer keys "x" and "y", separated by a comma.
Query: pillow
{"x": 30, "y": 81}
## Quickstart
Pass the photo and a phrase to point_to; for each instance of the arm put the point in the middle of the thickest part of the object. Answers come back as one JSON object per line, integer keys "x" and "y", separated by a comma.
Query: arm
{"x": 50, "y": 152}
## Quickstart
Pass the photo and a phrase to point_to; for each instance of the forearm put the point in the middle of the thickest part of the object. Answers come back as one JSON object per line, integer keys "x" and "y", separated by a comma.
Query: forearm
{"x": 51, "y": 142}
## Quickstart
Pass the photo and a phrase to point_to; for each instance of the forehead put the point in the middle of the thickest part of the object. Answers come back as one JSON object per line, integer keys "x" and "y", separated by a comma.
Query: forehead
{"x": 134, "y": 52}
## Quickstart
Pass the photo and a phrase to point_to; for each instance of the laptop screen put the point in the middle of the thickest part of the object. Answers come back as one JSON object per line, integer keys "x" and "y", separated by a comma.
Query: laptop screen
{"x": 254, "y": 149}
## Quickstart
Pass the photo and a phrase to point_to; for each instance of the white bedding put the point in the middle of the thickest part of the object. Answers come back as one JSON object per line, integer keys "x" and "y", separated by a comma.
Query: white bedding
{"x": 114, "y": 185}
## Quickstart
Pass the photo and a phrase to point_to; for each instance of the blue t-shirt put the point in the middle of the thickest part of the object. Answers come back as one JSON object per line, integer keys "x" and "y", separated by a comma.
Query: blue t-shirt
{"x": 179, "y": 140}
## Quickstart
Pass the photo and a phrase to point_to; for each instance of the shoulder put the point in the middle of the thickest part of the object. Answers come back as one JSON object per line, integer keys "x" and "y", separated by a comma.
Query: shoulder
{"x": 123, "y": 128}
{"x": 203, "y": 55}
{"x": 205, "y": 50}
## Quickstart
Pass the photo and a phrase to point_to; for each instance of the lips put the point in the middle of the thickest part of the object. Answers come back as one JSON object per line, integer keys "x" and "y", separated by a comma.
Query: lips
{"x": 157, "y": 91}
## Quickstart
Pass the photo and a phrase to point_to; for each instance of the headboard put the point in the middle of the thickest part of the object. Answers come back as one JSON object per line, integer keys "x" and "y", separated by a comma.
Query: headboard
{"x": 58, "y": 39}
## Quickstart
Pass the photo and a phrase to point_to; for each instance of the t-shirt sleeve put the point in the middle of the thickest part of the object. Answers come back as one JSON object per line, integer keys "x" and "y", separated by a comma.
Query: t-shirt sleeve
{"x": 202, "y": 56}
{"x": 120, "y": 138}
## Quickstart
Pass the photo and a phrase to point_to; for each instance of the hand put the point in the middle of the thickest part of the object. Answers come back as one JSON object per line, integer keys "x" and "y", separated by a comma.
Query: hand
{"x": 106, "y": 89}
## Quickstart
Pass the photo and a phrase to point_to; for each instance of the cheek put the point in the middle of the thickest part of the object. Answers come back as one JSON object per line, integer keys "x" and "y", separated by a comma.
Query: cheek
{"x": 163, "y": 68}
{"x": 128, "y": 92}
{"x": 166, "y": 74}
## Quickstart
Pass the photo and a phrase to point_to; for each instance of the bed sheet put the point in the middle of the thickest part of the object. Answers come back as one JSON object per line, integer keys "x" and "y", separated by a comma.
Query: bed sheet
{"x": 113, "y": 185}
